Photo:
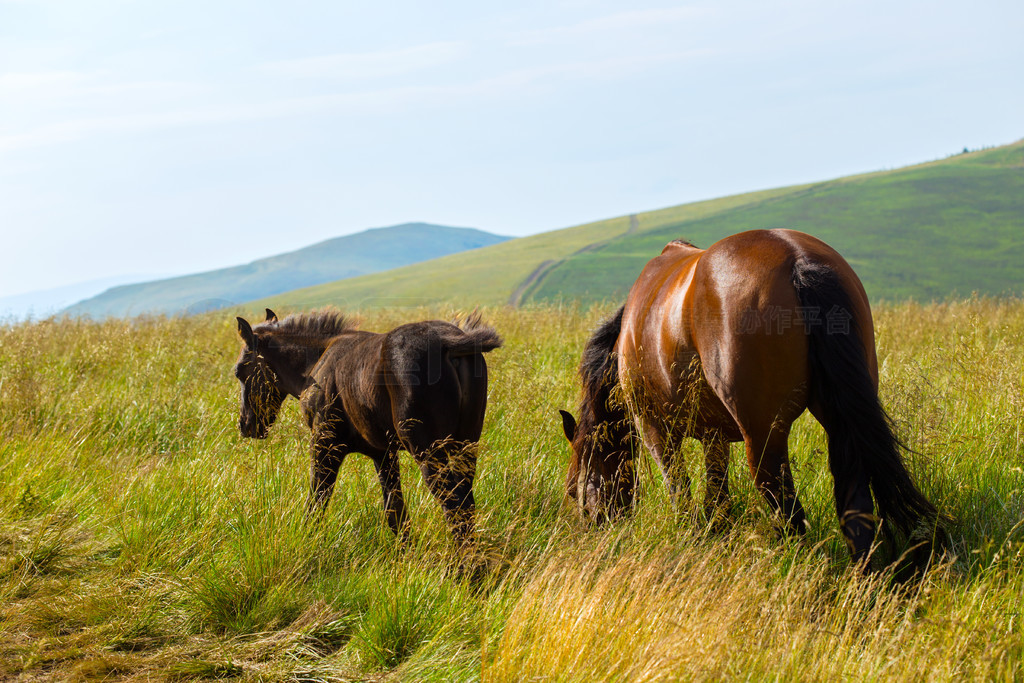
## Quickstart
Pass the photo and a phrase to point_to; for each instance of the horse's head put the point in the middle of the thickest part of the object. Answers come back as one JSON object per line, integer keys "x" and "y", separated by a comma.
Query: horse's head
{"x": 262, "y": 393}
{"x": 601, "y": 472}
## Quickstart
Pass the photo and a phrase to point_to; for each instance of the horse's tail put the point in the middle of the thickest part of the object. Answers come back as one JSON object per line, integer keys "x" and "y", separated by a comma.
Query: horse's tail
{"x": 474, "y": 337}
{"x": 860, "y": 432}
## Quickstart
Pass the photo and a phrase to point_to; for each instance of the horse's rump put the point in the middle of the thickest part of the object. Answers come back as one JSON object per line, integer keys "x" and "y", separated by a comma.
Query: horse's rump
{"x": 437, "y": 379}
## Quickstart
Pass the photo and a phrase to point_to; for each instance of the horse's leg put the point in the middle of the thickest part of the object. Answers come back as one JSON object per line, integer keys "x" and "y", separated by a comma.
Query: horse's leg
{"x": 763, "y": 383}
{"x": 716, "y": 462}
{"x": 671, "y": 463}
{"x": 448, "y": 463}
{"x": 327, "y": 456}
{"x": 856, "y": 511}
{"x": 438, "y": 419}
{"x": 391, "y": 489}
{"x": 448, "y": 468}
{"x": 768, "y": 457}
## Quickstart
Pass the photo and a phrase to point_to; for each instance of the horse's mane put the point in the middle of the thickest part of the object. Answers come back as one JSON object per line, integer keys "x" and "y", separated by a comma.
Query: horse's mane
{"x": 324, "y": 323}
{"x": 599, "y": 360}
{"x": 599, "y": 376}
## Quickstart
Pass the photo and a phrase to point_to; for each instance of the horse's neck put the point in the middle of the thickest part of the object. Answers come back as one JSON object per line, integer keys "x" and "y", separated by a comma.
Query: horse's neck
{"x": 606, "y": 421}
{"x": 296, "y": 359}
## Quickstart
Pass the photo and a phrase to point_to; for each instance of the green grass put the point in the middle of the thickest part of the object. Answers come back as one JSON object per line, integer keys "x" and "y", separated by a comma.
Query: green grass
{"x": 928, "y": 232}
{"x": 142, "y": 538}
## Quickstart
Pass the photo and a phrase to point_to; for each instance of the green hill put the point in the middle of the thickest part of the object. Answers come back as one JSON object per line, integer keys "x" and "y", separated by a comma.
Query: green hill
{"x": 929, "y": 231}
{"x": 342, "y": 257}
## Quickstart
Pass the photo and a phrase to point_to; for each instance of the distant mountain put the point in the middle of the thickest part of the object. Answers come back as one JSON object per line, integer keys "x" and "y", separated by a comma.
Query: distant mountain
{"x": 46, "y": 302}
{"x": 931, "y": 231}
{"x": 365, "y": 252}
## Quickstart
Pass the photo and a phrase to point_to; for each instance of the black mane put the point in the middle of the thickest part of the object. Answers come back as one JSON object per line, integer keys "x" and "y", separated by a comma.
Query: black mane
{"x": 599, "y": 363}
{"x": 602, "y": 438}
{"x": 324, "y": 323}
{"x": 685, "y": 243}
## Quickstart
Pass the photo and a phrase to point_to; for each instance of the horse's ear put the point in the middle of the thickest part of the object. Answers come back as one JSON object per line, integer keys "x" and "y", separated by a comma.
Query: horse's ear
{"x": 271, "y": 316}
{"x": 568, "y": 424}
{"x": 245, "y": 330}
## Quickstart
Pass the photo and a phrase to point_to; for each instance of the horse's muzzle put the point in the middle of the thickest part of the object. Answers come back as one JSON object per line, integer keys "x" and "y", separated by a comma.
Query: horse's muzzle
{"x": 252, "y": 429}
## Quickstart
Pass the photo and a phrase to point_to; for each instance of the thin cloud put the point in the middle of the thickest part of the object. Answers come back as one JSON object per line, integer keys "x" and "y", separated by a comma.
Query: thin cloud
{"x": 596, "y": 69}
{"x": 516, "y": 84}
{"x": 620, "y": 21}
{"x": 369, "y": 65}
{"x": 11, "y": 83}
{"x": 46, "y": 86}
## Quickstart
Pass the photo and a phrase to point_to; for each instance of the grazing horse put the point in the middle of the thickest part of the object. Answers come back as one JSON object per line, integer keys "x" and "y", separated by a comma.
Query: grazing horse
{"x": 421, "y": 387}
{"x": 733, "y": 343}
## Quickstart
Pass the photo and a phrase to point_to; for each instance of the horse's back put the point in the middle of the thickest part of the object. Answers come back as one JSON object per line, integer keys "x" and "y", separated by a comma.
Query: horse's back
{"x": 656, "y": 327}
{"x": 350, "y": 365}
{"x": 348, "y": 391}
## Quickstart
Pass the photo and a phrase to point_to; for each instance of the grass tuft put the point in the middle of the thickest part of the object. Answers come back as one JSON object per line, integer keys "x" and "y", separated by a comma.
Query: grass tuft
{"x": 199, "y": 669}
{"x": 400, "y": 620}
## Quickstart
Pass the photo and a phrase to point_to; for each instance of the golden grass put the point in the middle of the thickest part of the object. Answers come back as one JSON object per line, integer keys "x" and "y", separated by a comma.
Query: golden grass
{"x": 703, "y": 614}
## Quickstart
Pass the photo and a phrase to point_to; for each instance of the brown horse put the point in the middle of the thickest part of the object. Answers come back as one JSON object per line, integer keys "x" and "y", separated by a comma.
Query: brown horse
{"x": 421, "y": 387}
{"x": 733, "y": 343}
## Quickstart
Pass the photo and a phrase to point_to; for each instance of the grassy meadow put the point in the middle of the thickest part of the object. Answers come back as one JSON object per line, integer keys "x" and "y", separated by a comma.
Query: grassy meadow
{"x": 919, "y": 232}
{"x": 141, "y": 538}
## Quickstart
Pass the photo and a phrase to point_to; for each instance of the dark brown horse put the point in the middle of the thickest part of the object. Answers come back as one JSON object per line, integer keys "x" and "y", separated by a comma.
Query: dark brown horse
{"x": 421, "y": 387}
{"x": 733, "y": 343}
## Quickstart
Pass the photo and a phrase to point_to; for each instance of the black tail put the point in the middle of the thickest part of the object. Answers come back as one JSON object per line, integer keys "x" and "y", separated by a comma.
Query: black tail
{"x": 474, "y": 337}
{"x": 861, "y": 439}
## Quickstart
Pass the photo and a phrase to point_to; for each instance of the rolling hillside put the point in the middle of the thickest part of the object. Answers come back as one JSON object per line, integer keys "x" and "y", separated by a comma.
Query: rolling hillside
{"x": 342, "y": 257}
{"x": 929, "y": 231}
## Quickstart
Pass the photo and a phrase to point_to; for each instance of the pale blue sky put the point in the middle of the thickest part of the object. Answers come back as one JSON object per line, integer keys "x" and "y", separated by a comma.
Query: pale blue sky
{"x": 172, "y": 137}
